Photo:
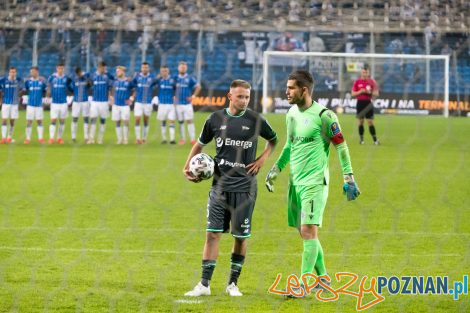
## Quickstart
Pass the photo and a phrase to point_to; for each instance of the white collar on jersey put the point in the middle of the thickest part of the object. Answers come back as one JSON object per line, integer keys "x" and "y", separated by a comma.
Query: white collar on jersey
{"x": 231, "y": 115}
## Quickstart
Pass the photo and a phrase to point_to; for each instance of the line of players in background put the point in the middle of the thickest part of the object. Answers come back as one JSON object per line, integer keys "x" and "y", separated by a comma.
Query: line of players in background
{"x": 93, "y": 93}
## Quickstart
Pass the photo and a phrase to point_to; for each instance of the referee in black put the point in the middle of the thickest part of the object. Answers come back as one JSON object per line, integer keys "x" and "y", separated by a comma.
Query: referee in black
{"x": 233, "y": 193}
{"x": 364, "y": 89}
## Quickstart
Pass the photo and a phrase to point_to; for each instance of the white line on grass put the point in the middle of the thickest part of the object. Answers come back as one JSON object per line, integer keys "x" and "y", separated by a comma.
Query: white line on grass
{"x": 188, "y": 301}
{"x": 142, "y": 251}
{"x": 260, "y": 231}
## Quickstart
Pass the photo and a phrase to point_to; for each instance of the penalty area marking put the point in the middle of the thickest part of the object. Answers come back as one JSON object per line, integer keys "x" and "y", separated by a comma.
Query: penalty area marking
{"x": 260, "y": 231}
{"x": 157, "y": 252}
{"x": 189, "y": 301}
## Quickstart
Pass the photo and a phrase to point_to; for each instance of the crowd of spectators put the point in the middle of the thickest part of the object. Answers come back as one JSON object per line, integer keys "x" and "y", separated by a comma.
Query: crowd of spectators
{"x": 83, "y": 32}
{"x": 249, "y": 14}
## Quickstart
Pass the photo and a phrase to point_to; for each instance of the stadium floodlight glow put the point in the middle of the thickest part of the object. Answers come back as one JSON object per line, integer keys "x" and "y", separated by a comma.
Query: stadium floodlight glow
{"x": 408, "y": 83}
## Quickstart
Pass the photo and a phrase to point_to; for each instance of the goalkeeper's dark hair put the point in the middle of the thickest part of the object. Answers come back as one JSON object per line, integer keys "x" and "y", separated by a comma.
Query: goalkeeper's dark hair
{"x": 240, "y": 83}
{"x": 302, "y": 79}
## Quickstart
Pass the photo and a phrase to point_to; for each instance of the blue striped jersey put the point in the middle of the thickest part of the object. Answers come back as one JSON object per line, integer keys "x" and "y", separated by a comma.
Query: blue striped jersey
{"x": 122, "y": 91}
{"x": 184, "y": 88}
{"x": 36, "y": 89}
{"x": 11, "y": 89}
{"x": 166, "y": 90}
{"x": 144, "y": 85}
{"x": 81, "y": 87}
{"x": 58, "y": 86}
{"x": 102, "y": 83}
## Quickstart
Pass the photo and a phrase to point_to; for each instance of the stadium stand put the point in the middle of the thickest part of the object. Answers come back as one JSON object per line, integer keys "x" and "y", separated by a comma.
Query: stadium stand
{"x": 125, "y": 32}
{"x": 353, "y": 15}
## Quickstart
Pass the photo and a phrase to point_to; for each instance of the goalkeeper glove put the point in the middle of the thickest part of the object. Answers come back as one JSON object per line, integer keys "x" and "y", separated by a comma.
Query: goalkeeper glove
{"x": 271, "y": 177}
{"x": 350, "y": 188}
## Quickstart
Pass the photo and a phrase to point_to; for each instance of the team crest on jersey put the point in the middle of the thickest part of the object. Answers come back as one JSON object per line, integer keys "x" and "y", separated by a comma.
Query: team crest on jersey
{"x": 335, "y": 129}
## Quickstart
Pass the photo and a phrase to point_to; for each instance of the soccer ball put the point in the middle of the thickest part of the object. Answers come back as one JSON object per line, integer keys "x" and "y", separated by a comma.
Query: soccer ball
{"x": 201, "y": 166}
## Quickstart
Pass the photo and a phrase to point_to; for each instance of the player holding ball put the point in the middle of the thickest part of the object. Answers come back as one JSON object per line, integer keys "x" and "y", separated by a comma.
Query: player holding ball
{"x": 233, "y": 194}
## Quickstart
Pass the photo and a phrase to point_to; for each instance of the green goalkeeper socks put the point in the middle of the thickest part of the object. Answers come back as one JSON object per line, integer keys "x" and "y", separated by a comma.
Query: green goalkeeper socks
{"x": 313, "y": 257}
{"x": 320, "y": 263}
{"x": 310, "y": 255}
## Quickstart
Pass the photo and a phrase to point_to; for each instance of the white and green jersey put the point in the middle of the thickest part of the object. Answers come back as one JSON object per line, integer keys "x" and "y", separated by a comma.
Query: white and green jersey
{"x": 307, "y": 149}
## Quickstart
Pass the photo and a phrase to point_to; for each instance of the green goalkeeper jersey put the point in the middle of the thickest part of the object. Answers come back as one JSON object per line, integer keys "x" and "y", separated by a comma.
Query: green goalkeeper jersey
{"x": 307, "y": 149}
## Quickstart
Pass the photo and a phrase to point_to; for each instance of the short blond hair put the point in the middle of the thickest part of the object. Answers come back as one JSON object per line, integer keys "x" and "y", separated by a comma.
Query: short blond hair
{"x": 120, "y": 67}
{"x": 240, "y": 83}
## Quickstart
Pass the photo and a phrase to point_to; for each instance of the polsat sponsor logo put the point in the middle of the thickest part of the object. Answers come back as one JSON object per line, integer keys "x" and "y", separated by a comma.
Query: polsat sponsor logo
{"x": 209, "y": 101}
{"x": 405, "y": 285}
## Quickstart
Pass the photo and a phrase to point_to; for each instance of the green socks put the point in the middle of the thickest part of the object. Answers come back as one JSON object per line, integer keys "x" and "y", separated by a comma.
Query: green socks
{"x": 312, "y": 257}
{"x": 320, "y": 263}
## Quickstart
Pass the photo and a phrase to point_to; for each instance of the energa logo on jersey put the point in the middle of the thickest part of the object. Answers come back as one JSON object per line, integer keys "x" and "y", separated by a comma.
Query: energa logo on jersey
{"x": 233, "y": 143}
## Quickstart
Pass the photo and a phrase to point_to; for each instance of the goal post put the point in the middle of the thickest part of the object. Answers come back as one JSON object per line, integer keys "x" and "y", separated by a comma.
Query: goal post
{"x": 408, "y": 83}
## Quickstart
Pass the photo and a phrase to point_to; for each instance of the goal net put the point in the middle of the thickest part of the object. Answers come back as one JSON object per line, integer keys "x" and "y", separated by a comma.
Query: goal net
{"x": 408, "y": 84}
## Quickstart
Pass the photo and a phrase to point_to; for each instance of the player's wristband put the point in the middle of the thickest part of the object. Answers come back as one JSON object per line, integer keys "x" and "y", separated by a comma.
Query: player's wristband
{"x": 348, "y": 178}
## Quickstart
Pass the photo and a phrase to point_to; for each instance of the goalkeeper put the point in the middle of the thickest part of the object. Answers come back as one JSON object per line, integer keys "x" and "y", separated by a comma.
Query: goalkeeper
{"x": 310, "y": 129}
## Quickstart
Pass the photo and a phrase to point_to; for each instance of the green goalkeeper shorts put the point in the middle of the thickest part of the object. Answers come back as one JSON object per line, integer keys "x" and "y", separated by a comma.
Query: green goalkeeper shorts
{"x": 306, "y": 204}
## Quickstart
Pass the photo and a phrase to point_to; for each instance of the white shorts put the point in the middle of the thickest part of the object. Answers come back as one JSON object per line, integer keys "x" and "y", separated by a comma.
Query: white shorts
{"x": 143, "y": 108}
{"x": 121, "y": 113}
{"x": 10, "y": 111}
{"x": 83, "y": 107}
{"x": 166, "y": 112}
{"x": 184, "y": 112}
{"x": 99, "y": 109}
{"x": 59, "y": 111}
{"x": 34, "y": 113}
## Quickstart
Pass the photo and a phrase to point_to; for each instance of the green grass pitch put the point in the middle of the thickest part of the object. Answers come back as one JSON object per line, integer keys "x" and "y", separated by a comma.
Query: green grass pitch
{"x": 107, "y": 228}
